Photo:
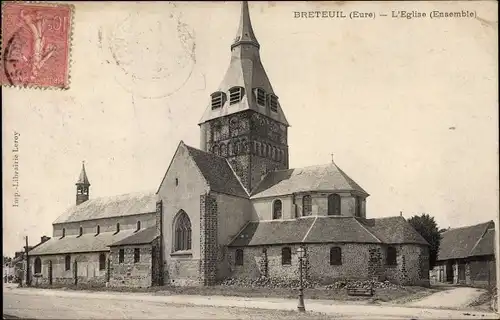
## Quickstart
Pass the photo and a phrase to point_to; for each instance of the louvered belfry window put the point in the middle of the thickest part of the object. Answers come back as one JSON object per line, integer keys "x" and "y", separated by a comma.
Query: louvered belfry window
{"x": 236, "y": 94}
{"x": 218, "y": 99}
{"x": 273, "y": 102}
{"x": 260, "y": 95}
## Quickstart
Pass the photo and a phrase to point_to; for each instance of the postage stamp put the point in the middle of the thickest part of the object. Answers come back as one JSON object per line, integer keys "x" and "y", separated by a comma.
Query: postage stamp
{"x": 36, "y": 44}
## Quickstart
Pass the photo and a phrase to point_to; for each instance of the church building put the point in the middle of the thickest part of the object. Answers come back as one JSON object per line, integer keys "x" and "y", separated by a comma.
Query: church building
{"x": 233, "y": 208}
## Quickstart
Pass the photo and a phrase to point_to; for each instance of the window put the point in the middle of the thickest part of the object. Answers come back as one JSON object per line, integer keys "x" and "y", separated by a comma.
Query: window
{"x": 358, "y": 206}
{"x": 137, "y": 255}
{"x": 234, "y": 127}
{"x": 182, "y": 232}
{"x": 215, "y": 150}
{"x": 391, "y": 256}
{"x": 237, "y": 147}
{"x": 335, "y": 256}
{"x": 306, "y": 205}
{"x": 121, "y": 255}
{"x": 217, "y": 132}
{"x": 274, "y": 153}
{"x": 286, "y": 256}
{"x": 277, "y": 206}
{"x": 117, "y": 228}
{"x": 239, "y": 257}
{"x": 102, "y": 261}
{"x": 230, "y": 150}
{"x": 176, "y": 182}
{"x": 333, "y": 205}
{"x": 63, "y": 233}
{"x": 260, "y": 96}
{"x": 138, "y": 226}
{"x": 218, "y": 99}
{"x": 67, "y": 262}
{"x": 98, "y": 230}
{"x": 223, "y": 150}
{"x": 38, "y": 265}
{"x": 273, "y": 102}
{"x": 235, "y": 94}
{"x": 80, "y": 232}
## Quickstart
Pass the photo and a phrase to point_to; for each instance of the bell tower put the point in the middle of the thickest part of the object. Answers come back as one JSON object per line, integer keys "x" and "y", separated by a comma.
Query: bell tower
{"x": 82, "y": 186}
{"x": 243, "y": 121}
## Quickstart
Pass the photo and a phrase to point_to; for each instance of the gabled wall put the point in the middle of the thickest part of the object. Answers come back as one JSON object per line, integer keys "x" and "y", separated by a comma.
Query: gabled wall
{"x": 181, "y": 268}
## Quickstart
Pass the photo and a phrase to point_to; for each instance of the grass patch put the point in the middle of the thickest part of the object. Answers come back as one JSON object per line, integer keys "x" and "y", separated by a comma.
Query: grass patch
{"x": 393, "y": 295}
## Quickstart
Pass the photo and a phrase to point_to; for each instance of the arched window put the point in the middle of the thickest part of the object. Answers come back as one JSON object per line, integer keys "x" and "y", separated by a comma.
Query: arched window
{"x": 277, "y": 208}
{"x": 334, "y": 205}
{"x": 306, "y": 205}
{"x": 98, "y": 230}
{"x": 239, "y": 257}
{"x": 80, "y": 232}
{"x": 138, "y": 226}
{"x": 230, "y": 150}
{"x": 268, "y": 151}
{"x": 359, "y": 201}
{"x": 278, "y": 155}
{"x": 215, "y": 150}
{"x": 391, "y": 256}
{"x": 335, "y": 256}
{"x": 63, "y": 233}
{"x": 258, "y": 151}
{"x": 182, "y": 232}
{"x": 236, "y": 94}
{"x": 237, "y": 147}
{"x": 38, "y": 265}
{"x": 102, "y": 261}
{"x": 286, "y": 256}
{"x": 223, "y": 150}
{"x": 274, "y": 153}
{"x": 117, "y": 228}
{"x": 121, "y": 255}
{"x": 67, "y": 262}
{"x": 218, "y": 99}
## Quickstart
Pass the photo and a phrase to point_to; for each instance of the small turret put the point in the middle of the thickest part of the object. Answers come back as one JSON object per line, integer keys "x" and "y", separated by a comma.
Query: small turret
{"x": 82, "y": 186}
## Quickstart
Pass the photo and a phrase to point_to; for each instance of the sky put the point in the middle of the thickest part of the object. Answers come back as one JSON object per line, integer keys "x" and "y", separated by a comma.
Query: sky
{"x": 408, "y": 107}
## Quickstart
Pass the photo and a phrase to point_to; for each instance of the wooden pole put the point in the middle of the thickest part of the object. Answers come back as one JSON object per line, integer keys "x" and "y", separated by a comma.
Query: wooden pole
{"x": 27, "y": 264}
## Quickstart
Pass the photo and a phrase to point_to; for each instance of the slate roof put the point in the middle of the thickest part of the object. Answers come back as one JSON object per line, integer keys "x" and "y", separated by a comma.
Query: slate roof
{"x": 84, "y": 243}
{"x": 486, "y": 245}
{"x": 218, "y": 173}
{"x": 394, "y": 230}
{"x": 314, "y": 178}
{"x": 460, "y": 243}
{"x": 106, "y": 207}
{"x": 327, "y": 229}
{"x": 143, "y": 236}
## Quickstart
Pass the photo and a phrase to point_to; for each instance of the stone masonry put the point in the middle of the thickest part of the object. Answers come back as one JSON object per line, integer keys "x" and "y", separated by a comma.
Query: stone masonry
{"x": 208, "y": 239}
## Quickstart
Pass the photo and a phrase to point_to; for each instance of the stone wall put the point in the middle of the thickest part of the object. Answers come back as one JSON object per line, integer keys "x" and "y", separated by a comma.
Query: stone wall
{"x": 129, "y": 273}
{"x": 88, "y": 272}
{"x": 105, "y": 225}
{"x": 208, "y": 239}
{"x": 181, "y": 189}
{"x": 232, "y": 215}
{"x": 359, "y": 261}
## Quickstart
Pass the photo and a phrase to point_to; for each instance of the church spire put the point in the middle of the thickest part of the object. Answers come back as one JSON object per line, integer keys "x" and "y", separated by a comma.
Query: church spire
{"x": 245, "y": 33}
{"x": 82, "y": 186}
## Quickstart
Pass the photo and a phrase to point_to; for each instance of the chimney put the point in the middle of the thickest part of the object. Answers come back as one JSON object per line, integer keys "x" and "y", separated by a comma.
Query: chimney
{"x": 44, "y": 239}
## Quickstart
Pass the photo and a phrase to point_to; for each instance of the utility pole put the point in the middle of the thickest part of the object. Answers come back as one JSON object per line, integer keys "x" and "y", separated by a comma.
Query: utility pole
{"x": 27, "y": 264}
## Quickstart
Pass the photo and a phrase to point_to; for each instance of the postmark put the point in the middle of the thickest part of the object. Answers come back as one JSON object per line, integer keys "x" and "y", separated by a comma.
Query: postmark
{"x": 36, "y": 44}
{"x": 167, "y": 42}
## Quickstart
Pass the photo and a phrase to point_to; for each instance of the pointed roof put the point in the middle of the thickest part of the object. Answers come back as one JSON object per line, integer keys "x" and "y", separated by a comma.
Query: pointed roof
{"x": 246, "y": 71}
{"x": 314, "y": 178}
{"x": 82, "y": 179}
{"x": 245, "y": 34}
